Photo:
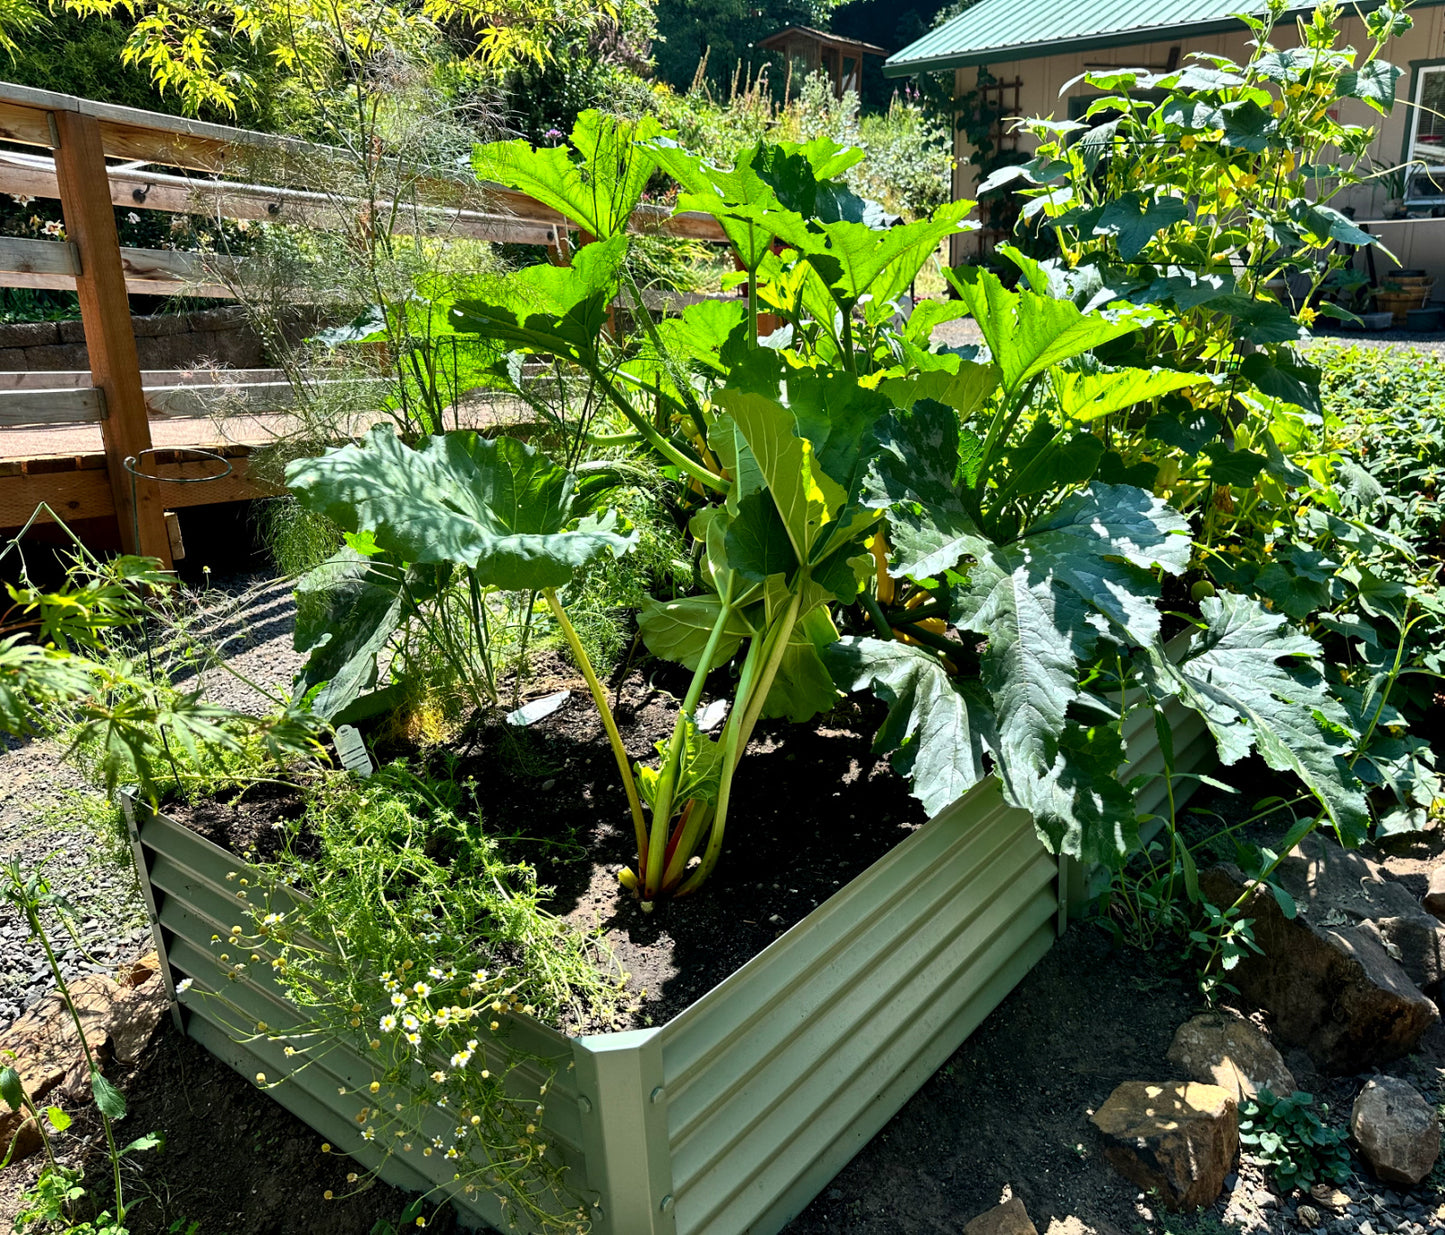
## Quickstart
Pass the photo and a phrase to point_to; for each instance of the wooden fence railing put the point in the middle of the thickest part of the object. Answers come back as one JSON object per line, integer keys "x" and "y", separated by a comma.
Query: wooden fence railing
{"x": 184, "y": 167}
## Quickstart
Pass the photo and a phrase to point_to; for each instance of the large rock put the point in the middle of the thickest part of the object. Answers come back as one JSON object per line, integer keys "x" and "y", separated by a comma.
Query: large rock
{"x": 1178, "y": 1138}
{"x": 1398, "y": 1132}
{"x": 1228, "y": 1051}
{"x": 44, "y": 1045}
{"x": 1435, "y": 894}
{"x": 1010, "y": 1218}
{"x": 1333, "y": 977}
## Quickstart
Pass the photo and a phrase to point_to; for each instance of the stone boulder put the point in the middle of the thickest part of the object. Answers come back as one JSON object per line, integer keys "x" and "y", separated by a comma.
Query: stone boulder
{"x": 1435, "y": 894}
{"x": 1398, "y": 1132}
{"x": 44, "y": 1047}
{"x": 1177, "y": 1138}
{"x": 1220, "y": 1049}
{"x": 1333, "y": 977}
{"x": 1010, "y": 1218}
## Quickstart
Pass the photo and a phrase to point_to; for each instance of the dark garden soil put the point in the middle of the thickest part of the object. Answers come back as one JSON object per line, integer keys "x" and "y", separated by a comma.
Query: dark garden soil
{"x": 812, "y": 808}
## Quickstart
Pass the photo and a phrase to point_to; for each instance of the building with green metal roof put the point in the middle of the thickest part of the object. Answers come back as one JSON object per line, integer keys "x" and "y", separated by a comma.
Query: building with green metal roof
{"x": 995, "y": 30}
{"x": 1028, "y": 58}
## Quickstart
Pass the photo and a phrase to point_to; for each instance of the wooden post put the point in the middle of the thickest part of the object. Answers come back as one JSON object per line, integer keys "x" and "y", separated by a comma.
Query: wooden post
{"x": 105, "y": 316}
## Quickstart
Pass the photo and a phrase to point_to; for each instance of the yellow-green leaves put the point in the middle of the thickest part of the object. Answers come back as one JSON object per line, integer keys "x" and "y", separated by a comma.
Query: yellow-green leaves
{"x": 1026, "y": 333}
{"x": 597, "y": 193}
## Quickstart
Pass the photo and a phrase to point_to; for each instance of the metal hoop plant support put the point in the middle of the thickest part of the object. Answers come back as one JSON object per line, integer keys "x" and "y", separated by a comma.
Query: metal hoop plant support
{"x": 132, "y": 465}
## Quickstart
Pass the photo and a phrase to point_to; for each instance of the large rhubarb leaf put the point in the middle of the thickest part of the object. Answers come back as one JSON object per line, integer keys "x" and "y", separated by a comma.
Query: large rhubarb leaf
{"x": 499, "y": 507}
{"x": 940, "y": 726}
{"x": 600, "y": 192}
{"x": 1255, "y": 680}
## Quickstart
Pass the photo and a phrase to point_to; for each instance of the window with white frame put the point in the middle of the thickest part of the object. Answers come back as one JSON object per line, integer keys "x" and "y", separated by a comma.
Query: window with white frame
{"x": 1427, "y": 122}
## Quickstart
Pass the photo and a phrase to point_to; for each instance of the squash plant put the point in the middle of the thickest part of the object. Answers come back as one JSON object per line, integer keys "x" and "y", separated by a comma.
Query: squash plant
{"x": 1018, "y": 531}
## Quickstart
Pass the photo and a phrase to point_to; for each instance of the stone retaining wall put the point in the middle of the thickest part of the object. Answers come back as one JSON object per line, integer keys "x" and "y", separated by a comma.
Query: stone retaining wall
{"x": 165, "y": 341}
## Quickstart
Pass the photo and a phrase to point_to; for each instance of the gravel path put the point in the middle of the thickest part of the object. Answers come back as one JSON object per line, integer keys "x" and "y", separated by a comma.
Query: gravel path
{"x": 52, "y": 819}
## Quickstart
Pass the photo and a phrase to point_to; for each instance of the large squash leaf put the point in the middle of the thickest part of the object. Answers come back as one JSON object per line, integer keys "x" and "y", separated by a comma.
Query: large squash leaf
{"x": 914, "y": 476}
{"x": 551, "y": 310}
{"x": 498, "y": 507}
{"x": 855, "y": 260}
{"x": 1042, "y": 603}
{"x": 1255, "y": 680}
{"x": 940, "y": 726}
{"x": 1038, "y": 601}
{"x": 1026, "y": 333}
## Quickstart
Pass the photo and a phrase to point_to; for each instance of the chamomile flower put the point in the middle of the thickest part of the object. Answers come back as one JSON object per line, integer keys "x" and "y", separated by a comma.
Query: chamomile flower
{"x": 398, "y": 1000}
{"x": 184, "y": 985}
{"x": 388, "y": 1023}
{"x": 422, "y": 990}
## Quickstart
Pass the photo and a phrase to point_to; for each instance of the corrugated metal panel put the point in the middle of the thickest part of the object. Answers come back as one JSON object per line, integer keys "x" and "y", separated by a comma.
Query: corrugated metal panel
{"x": 780, "y": 1074}
{"x": 730, "y": 1118}
{"x": 187, "y": 877}
{"x": 997, "y": 30}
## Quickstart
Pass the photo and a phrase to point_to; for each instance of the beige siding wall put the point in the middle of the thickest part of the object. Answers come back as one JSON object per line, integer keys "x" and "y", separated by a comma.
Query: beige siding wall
{"x": 1419, "y": 243}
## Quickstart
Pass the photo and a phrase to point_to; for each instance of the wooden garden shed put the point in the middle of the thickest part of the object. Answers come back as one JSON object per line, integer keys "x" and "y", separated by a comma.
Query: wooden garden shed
{"x": 841, "y": 58}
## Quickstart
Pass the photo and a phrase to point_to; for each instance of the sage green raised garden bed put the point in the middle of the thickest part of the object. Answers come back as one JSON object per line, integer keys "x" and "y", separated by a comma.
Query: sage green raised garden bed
{"x": 732, "y": 1116}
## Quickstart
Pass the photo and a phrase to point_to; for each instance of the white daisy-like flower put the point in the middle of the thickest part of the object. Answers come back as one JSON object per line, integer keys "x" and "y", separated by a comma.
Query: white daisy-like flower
{"x": 436, "y": 972}
{"x": 368, "y": 1134}
{"x": 414, "y": 1039}
{"x": 184, "y": 985}
{"x": 398, "y": 1000}
{"x": 461, "y": 1059}
{"x": 388, "y": 1023}
{"x": 422, "y": 990}
{"x": 410, "y": 1023}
